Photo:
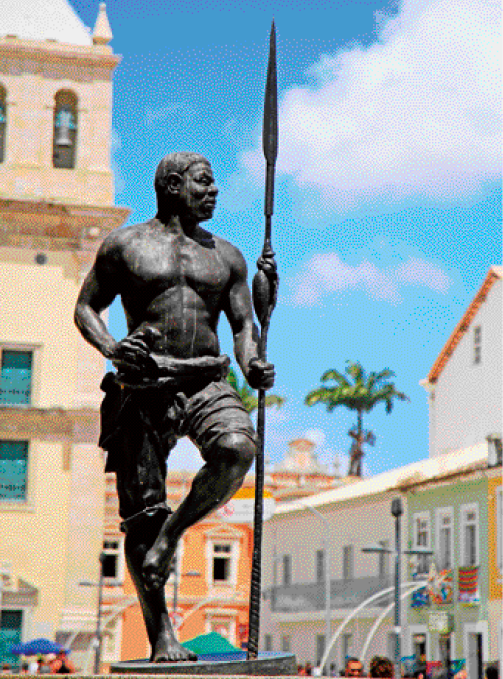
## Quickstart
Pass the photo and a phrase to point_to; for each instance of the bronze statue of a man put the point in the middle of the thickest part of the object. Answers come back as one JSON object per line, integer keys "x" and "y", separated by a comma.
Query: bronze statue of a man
{"x": 174, "y": 278}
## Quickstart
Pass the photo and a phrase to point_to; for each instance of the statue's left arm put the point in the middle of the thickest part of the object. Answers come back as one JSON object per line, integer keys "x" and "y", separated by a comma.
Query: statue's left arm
{"x": 239, "y": 311}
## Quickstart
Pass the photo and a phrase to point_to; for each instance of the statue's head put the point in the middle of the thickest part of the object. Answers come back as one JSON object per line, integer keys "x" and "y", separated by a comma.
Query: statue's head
{"x": 184, "y": 184}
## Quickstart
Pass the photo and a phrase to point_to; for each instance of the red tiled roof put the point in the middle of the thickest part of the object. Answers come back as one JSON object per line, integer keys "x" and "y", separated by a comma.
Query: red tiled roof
{"x": 495, "y": 273}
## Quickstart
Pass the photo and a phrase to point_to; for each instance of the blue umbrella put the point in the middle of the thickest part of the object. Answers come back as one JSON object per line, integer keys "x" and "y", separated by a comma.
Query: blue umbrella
{"x": 36, "y": 647}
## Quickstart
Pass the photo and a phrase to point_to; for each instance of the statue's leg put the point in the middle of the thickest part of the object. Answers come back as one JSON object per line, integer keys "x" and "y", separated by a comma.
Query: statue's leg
{"x": 217, "y": 481}
{"x": 142, "y": 495}
{"x": 165, "y": 647}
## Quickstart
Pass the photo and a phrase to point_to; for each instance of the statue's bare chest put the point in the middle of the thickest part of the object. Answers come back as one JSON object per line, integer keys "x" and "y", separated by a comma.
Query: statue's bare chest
{"x": 167, "y": 264}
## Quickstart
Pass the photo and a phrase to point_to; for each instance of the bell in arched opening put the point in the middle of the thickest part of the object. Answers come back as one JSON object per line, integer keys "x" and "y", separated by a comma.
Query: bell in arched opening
{"x": 64, "y": 123}
{"x": 3, "y": 122}
{"x": 65, "y": 130}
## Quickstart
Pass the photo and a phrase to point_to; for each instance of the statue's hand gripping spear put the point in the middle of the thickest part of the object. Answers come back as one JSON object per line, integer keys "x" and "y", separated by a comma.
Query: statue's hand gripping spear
{"x": 265, "y": 290}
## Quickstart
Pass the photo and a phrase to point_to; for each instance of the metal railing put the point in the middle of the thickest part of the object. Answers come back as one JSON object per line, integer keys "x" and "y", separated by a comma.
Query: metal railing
{"x": 305, "y": 597}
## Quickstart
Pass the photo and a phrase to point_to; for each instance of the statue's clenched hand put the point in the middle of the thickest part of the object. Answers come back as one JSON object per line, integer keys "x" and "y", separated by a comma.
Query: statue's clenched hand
{"x": 132, "y": 354}
{"x": 261, "y": 374}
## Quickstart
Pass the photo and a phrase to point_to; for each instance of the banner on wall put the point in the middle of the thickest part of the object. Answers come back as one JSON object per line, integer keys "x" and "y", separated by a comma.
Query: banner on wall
{"x": 440, "y": 587}
{"x": 468, "y": 585}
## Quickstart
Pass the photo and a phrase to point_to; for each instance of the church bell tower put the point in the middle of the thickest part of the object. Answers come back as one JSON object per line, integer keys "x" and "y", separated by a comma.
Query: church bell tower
{"x": 56, "y": 206}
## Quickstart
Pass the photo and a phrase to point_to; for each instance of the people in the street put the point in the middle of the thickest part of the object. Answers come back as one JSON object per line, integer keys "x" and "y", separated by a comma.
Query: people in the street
{"x": 354, "y": 667}
{"x": 43, "y": 666}
{"x": 32, "y": 666}
{"x": 380, "y": 666}
{"x": 492, "y": 672}
{"x": 62, "y": 664}
{"x": 462, "y": 674}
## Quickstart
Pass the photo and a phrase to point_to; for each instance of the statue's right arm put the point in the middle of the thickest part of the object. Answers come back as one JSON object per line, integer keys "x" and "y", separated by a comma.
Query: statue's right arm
{"x": 97, "y": 293}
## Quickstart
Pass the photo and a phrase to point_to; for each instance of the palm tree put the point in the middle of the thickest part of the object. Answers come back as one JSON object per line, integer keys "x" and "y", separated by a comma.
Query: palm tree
{"x": 362, "y": 394}
{"x": 247, "y": 395}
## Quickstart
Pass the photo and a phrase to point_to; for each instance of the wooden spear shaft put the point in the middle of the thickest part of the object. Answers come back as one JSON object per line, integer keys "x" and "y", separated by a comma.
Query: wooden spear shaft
{"x": 265, "y": 287}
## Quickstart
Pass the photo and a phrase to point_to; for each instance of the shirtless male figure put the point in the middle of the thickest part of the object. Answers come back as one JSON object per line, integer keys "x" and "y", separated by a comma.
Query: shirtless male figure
{"x": 174, "y": 279}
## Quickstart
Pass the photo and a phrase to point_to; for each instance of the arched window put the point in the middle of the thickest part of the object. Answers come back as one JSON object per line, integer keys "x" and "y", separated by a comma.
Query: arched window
{"x": 3, "y": 122}
{"x": 65, "y": 130}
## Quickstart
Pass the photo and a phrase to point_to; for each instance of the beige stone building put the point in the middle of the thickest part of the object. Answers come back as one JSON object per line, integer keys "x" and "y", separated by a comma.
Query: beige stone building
{"x": 56, "y": 205}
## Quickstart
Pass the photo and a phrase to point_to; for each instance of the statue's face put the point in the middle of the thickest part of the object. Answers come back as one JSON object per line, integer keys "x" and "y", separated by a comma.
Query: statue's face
{"x": 198, "y": 191}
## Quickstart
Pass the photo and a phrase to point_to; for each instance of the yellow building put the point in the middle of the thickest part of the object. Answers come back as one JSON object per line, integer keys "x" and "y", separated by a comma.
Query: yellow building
{"x": 56, "y": 205}
{"x": 495, "y": 549}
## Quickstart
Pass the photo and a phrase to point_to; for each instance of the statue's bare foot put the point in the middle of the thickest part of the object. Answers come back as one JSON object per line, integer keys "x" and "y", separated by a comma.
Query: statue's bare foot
{"x": 157, "y": 562}
{"x": 167, "y": 649}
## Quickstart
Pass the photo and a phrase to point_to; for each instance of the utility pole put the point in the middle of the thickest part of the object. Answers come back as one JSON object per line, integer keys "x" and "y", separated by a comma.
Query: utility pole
{"x": 397, "y": 511}
{"x": 97, "y": 653}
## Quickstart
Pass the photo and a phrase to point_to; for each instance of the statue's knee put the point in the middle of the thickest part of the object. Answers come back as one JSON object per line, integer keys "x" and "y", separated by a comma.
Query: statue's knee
{"x": 238, "y": 448}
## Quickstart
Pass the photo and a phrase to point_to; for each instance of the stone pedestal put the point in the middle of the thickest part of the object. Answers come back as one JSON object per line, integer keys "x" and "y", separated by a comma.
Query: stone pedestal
{"x": 216, "y": 665}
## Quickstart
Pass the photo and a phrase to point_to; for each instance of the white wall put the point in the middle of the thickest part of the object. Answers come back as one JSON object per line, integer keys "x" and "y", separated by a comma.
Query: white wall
{"x": 359, "y": 522}
{"x": 467, "y": 404}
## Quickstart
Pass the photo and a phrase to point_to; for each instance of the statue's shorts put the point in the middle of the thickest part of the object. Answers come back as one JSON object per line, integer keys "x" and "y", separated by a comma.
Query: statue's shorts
{"x": 140, "y": 426}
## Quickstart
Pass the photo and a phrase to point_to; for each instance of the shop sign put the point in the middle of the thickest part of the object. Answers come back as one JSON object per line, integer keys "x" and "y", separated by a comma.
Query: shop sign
{"x": 240, "y": 508}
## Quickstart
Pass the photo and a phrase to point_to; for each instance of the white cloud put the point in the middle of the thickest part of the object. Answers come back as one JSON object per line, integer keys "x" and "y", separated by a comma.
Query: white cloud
{"x": 317, "y": 436}
{"x": 417, "y": 271}
{"x": 415, "y": 114}
{"x": 326, "y": 273}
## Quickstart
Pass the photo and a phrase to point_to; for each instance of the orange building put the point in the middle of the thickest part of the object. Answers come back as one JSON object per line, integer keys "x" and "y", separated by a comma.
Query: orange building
{"x": 212, "y": 580}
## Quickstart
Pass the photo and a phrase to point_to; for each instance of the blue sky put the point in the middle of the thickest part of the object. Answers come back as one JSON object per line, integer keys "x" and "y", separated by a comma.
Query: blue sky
{"x": 388, "y": 199}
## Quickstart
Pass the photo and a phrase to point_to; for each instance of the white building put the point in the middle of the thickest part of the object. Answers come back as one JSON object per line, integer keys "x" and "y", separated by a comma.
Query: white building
{"x": 354, "y": 516}
{"x": 465, "y": 384}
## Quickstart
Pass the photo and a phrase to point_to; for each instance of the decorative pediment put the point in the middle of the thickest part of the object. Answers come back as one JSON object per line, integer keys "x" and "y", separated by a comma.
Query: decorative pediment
{"x": 223, "y": 532}
{"x": 21, "y": 594}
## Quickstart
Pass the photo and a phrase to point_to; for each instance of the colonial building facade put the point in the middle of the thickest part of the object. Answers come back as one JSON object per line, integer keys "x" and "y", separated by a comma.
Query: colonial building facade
{"x": 56, "y": 205}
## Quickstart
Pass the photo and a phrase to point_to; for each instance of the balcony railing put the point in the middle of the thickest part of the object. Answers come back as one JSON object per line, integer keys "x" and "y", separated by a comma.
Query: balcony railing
{"x": 305, "y": 597}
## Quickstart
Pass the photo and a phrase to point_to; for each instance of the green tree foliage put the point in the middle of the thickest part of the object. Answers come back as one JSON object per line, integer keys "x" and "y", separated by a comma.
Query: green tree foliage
{"x": 248, "y": 396}
{"x": 357, "y": 391}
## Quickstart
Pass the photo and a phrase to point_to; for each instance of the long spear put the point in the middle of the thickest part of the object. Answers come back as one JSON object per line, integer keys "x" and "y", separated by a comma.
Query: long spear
{"x": 265, "y": 289}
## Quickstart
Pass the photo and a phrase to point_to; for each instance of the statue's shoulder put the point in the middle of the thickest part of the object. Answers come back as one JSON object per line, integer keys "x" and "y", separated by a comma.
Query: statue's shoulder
{"x": 119, "y": 240}
{"x": 231, "y": 254}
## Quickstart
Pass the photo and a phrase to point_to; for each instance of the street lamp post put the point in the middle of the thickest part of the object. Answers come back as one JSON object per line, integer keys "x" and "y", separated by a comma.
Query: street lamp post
{"x": 397, "y": 511}
{"x": 98, "y": 638}
{"x": 327, "y": 572}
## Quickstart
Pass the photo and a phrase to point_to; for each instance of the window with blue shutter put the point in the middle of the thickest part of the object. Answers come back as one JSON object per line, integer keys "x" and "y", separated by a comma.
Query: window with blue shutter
{"x": 15, "y": 378}
{"x": 3, "y": 122}
{"x": 13, "y": 470}
{"x": 10, "y": 633}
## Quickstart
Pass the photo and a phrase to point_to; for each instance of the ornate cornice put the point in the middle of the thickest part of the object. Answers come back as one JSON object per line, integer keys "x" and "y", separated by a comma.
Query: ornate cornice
{"x": 49, "y": 424}
{"x": 57, "y": 226}
{"x": 55, "y": 52}
{"x": 25, "y": 595}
